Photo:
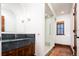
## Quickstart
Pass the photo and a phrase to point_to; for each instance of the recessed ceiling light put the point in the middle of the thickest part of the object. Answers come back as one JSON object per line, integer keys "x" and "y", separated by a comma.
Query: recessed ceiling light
{"x": 62, "y": 12}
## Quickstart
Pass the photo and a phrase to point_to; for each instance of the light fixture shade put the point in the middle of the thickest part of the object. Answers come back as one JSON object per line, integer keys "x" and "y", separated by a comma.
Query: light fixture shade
{"x": 22, "y": 21}
{"x": 62, "y": 12}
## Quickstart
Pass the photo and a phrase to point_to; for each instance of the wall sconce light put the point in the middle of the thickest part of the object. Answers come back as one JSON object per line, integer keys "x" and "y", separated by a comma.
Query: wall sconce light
{"x": 29, "y": 19}
{"x": 22, "y": 21}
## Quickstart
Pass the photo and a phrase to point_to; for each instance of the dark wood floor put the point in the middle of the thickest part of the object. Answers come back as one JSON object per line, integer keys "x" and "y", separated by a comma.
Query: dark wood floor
{"x": 61, "y": 50}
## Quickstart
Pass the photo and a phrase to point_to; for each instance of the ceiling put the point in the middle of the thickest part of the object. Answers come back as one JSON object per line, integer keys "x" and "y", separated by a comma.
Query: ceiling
{"x": 61, "y": 8}
{"x": 15, "y": 8}
{"x": 48, "y": 12}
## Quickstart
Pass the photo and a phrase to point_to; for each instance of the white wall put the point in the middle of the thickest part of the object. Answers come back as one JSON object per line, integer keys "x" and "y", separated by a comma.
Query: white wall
{"x": 72, "y": 28}
{"x": 0, "y": 20}
{"x": 36, "y": 25}
{"x": 66, "y": 38}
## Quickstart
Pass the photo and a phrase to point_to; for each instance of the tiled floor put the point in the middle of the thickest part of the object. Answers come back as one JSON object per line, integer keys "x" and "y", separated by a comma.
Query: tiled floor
{"x": 61, "y": 51}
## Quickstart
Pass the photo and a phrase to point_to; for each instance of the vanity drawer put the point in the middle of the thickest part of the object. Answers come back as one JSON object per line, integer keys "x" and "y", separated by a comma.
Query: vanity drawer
{"x": 20, "y": 51}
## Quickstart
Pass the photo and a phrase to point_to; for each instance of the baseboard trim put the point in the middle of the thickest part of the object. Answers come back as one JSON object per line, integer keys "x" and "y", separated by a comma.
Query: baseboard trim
{"x": 49, "y": 52}
{"x": 58, "y": 44}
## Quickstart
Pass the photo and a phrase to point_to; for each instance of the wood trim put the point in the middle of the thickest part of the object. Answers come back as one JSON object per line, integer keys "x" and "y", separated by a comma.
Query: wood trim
{"x": 57, "y": 44}
{"x": 60, "y": 22}
{"x": 2, "y": 24}
{"x": 75, "y": 30}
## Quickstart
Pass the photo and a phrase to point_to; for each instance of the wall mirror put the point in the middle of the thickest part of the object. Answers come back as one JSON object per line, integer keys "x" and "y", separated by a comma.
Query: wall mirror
{"x": 8, "y": 18}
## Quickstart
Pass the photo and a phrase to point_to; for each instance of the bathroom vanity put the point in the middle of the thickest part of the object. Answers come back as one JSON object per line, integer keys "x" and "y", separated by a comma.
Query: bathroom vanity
{"x": 18, "y": 44}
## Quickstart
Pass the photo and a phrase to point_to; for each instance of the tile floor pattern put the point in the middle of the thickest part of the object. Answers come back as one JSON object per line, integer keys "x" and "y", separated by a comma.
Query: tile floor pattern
{"x": 61, "y": 51}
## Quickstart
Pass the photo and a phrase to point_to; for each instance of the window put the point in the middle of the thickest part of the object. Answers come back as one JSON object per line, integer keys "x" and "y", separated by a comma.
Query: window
{"x": 60, "y": 28}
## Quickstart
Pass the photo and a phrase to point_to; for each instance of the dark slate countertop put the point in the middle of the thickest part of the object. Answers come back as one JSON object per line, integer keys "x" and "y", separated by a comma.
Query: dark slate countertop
{"x": 13, "y": 41}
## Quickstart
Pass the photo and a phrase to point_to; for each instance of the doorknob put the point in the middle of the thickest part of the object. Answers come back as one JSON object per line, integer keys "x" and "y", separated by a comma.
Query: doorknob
{"x": 74, "y": 31}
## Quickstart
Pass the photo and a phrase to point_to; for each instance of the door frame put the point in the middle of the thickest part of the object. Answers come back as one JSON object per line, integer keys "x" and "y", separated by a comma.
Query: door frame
{"x": 75, "y": 29}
